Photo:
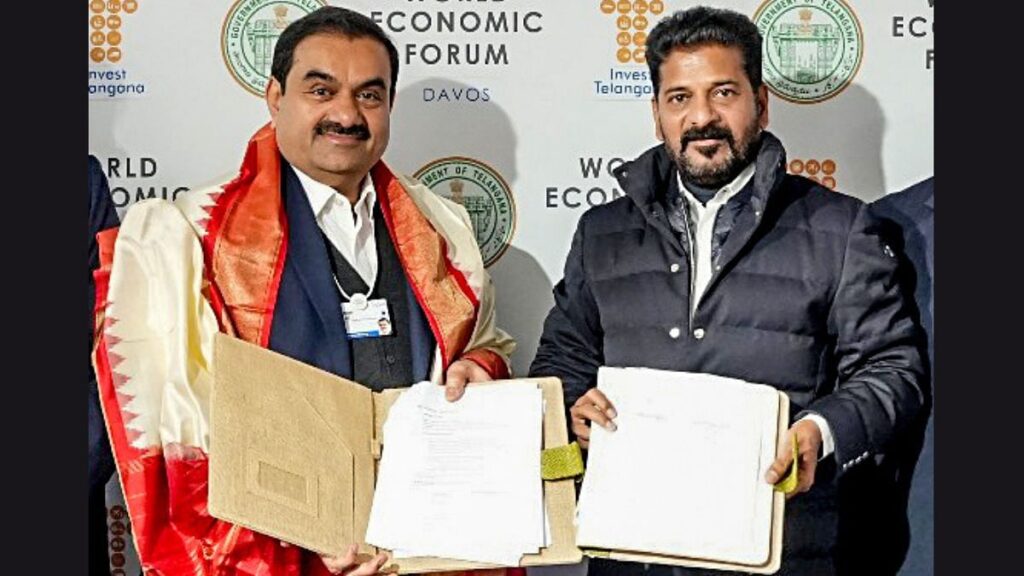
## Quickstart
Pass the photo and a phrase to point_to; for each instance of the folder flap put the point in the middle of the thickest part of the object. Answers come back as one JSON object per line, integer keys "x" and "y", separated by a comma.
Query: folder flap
{"x": 266, "y": 472}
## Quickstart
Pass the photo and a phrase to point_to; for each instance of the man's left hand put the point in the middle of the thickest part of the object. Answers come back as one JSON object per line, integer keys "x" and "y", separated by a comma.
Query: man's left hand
{"x": 808, "y": 444}
{"x": 460, "y": 373}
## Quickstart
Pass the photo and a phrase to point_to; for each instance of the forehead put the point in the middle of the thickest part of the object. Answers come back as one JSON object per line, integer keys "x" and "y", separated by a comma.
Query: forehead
{"x": 703, "y": 63}
{"x": 343, "y": 57}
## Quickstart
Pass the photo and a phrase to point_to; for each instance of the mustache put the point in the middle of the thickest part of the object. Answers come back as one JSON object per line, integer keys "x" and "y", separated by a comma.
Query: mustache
{"x": 360, "y": 131}
{"x": 707, "y": 133}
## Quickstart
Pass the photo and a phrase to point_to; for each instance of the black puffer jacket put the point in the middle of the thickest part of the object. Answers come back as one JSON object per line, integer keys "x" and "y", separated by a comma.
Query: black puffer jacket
{"x": 804, "y": 297}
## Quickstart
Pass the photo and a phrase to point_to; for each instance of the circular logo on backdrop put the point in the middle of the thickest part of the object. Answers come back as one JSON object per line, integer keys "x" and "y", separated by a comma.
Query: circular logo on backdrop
{"x": 482, "y": 191}
{"x": 250, "y": 32}
{"x": 812, "y": 49}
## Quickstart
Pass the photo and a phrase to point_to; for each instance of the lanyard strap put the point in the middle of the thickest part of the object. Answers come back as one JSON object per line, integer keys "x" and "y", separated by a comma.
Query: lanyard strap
{"x": 359, "y": 300}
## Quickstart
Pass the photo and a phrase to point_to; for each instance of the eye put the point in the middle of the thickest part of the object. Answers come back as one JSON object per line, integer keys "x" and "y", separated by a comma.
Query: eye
{"x": 678, "y": 98}
{"x": 320, "y": 92}
{"x": 725, "y": 92}
{"x": 371, "y": 95}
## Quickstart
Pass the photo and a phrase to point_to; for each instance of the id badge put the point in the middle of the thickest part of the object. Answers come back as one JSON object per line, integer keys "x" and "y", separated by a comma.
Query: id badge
{"x": 366, "y": 318}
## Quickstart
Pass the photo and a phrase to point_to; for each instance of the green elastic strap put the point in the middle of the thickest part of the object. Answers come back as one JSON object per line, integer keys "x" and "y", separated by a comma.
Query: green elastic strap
{"x": 561, "y": 462}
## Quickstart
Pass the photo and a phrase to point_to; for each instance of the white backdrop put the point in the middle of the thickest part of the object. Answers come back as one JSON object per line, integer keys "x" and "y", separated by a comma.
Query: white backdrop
{"x": 532, "y": 89}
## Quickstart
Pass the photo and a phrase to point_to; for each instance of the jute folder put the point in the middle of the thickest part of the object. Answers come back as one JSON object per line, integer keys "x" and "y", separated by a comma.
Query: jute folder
{"x": 293, "y": 454}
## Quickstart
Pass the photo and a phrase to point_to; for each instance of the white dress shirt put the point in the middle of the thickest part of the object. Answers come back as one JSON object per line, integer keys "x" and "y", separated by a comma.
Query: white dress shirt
{"x": 349, "y": 229}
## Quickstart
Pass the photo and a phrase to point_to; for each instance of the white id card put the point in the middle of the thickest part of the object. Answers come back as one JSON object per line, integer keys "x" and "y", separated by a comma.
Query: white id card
{"x": 366, "y": 318}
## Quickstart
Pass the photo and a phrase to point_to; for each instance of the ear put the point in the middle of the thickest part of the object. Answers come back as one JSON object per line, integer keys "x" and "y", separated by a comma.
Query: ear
{"x": 657, "y": 121}
{"x": 762, "y": 103}
{"x": 273, "y": 98}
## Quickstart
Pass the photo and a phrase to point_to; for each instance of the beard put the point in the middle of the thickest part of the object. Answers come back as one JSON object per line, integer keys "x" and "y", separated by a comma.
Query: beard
{"x": 741, "y": 152}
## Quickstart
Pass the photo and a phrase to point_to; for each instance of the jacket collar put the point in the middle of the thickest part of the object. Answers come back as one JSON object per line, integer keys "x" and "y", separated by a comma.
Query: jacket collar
{"x": 646, "y": 180}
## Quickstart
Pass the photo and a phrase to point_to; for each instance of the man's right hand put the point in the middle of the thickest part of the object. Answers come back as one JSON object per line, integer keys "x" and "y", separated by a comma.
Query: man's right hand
{"x": 592, "y": 406}
{"x": 350, "y": 565}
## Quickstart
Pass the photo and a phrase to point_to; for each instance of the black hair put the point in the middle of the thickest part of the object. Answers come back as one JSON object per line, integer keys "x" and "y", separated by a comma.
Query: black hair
{"x": 334, "y": 20}
{"x": 703, "y": 25}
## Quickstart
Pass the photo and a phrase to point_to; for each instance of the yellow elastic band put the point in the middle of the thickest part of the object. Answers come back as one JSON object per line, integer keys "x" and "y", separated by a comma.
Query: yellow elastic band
{"x": 561, "y": 462}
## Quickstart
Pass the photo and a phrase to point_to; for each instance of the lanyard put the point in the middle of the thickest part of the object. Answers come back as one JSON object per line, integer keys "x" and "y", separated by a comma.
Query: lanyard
{"x": 358, "y": 300}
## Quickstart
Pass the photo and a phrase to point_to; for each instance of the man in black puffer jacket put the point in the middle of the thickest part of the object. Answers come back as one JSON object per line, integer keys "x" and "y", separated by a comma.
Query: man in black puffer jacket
{"x": 718, "y": 261}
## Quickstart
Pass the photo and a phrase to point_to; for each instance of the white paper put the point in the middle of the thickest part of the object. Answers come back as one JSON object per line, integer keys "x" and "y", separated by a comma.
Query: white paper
{"x": 461, "y": 479}
{"x": 683, "y": 474}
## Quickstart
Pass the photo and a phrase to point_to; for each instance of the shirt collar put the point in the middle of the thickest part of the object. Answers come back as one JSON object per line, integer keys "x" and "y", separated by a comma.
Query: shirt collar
{"x": 320, "y": 194}
{"x": 725, "y": 192}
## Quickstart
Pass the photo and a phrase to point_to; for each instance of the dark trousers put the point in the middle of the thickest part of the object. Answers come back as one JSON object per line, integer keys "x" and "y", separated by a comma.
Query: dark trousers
{"x": 101, "y": 468}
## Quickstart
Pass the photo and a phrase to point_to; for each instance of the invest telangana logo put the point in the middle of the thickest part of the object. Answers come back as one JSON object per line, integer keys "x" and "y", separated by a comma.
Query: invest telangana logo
{"x": 628, "y": 77}
{"x": 109, "y": 77}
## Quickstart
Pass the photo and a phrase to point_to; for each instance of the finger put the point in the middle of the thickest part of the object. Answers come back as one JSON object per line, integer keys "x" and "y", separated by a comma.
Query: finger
{"x": 595, "y": 414}
{"x": 385, "y": 567}
{"x": 581, "y": 430}
{"x": 337, "y": 564}
{"x": 597, "y": 398}
{"x": 455, "y": 384}
{"x": 782, "y": 462}
{"x": 777, "y": 470}
{"x": 807, "y": 469}
{"x": 370, "y": 567}
{"x": 333, "y": 564}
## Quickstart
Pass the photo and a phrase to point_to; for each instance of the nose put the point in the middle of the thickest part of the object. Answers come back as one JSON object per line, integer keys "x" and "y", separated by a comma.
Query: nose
{"x": 344, "y": 110}
{"x": 702, "y": 112}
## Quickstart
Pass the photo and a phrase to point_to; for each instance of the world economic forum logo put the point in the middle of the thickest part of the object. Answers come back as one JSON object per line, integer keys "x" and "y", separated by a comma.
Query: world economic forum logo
{"x": 812, "y": 48}
{"x": 250, "y": 32}
{"x": 484, "y": 194}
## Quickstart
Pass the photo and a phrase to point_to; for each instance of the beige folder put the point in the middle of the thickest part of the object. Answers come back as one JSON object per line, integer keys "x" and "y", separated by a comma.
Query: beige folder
{"x": 294, "y": 451}
{"x": 774, "y": 561}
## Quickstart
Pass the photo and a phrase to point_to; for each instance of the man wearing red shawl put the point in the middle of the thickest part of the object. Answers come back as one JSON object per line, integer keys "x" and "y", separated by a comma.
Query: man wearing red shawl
{"x": 313, "y": 224}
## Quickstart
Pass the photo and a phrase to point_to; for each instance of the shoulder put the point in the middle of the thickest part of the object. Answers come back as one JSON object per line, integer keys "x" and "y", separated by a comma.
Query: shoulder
{"x": 907, "y": 203}
{"x": 805, "y": 203}
{"x": 611, "y": 217}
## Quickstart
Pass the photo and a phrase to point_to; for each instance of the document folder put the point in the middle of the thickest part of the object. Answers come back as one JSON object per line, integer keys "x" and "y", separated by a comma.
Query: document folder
{"x": 608, "y": 540}
{"x": 294, "y": 451}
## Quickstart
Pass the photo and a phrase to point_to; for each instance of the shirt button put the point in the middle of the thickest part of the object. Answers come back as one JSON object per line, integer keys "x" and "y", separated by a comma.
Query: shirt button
{"x": 674, "y": 268}
{"x": 390, "y": 358}
{"x": 698, "y": 333}
{"x": 674, "y": 333}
